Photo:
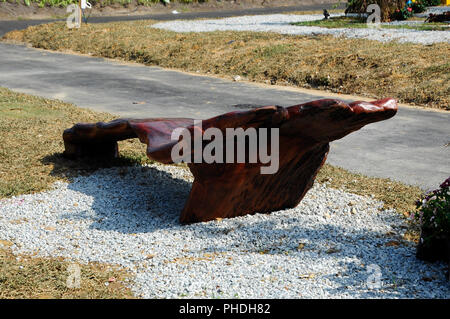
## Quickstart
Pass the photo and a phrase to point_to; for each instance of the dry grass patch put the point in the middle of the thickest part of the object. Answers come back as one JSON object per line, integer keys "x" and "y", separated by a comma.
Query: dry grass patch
{"x": 31, "y": 143}
{"x": 30, "y": 161}
{"x": 394, "y": 194}
{"x": 413, "y": 73}
{"x": 25, "y": 277}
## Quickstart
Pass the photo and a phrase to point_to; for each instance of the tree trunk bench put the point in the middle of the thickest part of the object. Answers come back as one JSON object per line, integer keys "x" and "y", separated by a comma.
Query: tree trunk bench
{"x": 223, "y": 190}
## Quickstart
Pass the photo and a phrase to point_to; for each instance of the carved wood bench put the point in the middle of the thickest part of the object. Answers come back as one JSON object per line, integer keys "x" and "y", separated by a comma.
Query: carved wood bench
{"x": 235, "y": 189}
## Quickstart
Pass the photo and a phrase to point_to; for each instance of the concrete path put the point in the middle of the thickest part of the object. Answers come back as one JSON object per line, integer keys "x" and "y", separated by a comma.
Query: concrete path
{"x": 409, "y": 147}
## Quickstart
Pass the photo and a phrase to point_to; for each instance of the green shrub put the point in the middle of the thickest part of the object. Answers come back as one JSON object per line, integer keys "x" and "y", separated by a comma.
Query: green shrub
{"x": 431, "y": 3}
{"x": 402, "y": 14}
{"x": 433, "y": 211}
{"x": 418, "y": 7}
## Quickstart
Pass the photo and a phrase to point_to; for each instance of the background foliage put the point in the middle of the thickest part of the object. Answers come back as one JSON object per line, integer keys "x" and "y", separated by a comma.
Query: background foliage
{"x": 388, "y": 7}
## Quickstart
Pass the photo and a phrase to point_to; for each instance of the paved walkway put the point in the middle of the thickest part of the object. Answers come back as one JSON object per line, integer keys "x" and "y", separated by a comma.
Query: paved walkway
{"x": 409, "y": 147}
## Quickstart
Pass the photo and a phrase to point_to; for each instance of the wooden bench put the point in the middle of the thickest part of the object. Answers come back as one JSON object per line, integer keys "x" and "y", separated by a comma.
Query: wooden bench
{"x": 235, "y": 189}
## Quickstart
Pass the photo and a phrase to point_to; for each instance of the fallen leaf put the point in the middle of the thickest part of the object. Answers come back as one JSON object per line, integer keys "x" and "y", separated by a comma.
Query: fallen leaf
{"x": 332, "y": 250}
{"x": 392, "y": 243}
{"x": 18, "y": 221}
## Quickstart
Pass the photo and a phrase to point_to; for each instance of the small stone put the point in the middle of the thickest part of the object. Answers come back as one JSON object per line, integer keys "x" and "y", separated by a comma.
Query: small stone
{"x": 307, "y": 276}
{"x": 333, "y": 250}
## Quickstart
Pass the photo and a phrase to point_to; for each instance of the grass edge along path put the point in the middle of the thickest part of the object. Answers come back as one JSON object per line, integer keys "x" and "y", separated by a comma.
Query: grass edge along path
{"x": 413, "y": 73}
{"x": 30, "y": 161}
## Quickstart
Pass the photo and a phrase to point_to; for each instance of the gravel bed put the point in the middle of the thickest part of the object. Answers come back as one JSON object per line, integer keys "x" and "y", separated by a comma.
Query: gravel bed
{"x": 281, "y": 23}
{"x": 129, "y": 217}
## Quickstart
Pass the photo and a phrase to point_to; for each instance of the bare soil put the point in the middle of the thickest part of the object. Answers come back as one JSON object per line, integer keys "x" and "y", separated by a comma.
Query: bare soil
{"x": 13, "y": 11}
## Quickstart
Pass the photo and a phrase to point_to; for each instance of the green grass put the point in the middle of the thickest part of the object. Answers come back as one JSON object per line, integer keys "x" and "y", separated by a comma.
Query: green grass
{"x": 350, "y": 22}
{"x": 334, "y": 22}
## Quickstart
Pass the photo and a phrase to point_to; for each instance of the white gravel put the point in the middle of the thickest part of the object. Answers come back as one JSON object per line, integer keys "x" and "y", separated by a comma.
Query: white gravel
{"x": 281, "y": 23}
{"x": 320, "y": 249}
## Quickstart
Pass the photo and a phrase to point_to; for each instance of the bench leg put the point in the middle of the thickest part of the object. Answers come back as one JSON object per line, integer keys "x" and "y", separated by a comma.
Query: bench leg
{"x": 97, "y": 140}
{"x": 229, "y": 190}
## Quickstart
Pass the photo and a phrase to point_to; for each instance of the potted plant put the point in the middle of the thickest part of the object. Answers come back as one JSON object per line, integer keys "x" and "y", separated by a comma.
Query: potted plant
{"x": 433, "y": 215}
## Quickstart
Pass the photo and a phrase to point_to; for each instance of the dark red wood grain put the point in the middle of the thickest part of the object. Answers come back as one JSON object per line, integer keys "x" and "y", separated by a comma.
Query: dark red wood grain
{"x": 235, "y": 189}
